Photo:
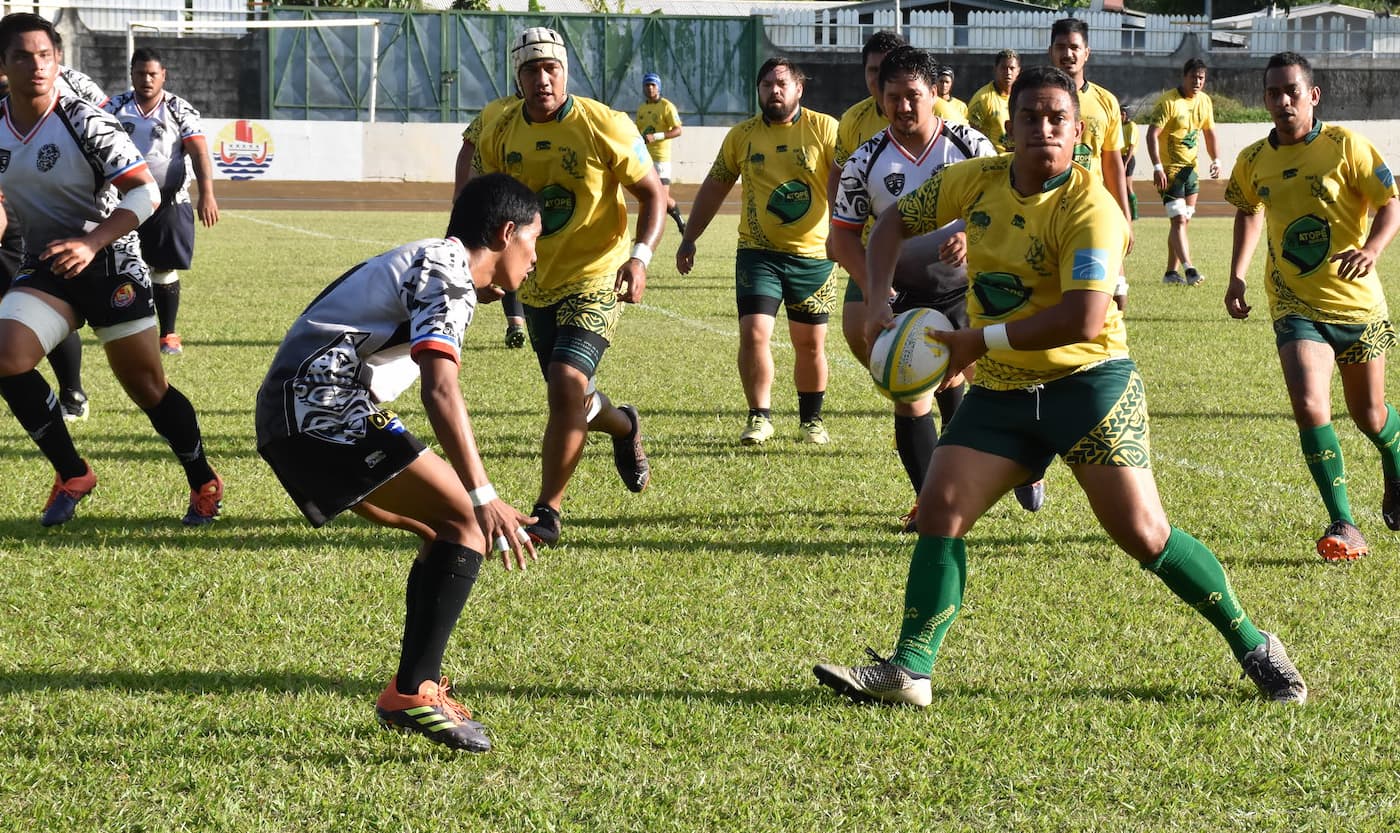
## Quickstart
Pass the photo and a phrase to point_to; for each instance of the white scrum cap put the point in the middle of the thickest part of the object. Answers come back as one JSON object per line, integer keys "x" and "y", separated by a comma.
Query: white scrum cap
{"x": 538, "y": 43}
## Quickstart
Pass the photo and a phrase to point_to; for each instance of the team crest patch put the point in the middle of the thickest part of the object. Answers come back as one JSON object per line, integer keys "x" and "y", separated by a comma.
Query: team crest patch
{"x": 999, "y": 293}
{"x": 894, "y": 183}
{"x": 124, "y": 296}
{"x": 4, "y": 161}
{"x": 1306, "y": 243}
{"x": 48, "y": 157}
{"x": 790, "y": 201}
{"x": 557, "y": 205}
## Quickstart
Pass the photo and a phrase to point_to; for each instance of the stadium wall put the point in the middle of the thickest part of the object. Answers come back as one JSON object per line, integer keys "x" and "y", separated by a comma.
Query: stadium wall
{"x": 321, "y": 151}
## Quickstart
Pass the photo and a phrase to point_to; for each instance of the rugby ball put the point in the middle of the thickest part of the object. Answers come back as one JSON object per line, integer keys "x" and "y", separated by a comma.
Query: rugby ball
{"x": 905, "y": 361}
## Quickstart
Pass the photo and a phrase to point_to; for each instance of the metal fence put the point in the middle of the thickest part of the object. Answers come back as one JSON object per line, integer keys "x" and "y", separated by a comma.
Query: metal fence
{"x": 445, "y": 66}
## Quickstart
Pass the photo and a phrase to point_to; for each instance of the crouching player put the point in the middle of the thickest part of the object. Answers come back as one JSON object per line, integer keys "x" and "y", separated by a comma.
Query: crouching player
{"x": 321, "y": 427}
{"x": 1053, "y": 377}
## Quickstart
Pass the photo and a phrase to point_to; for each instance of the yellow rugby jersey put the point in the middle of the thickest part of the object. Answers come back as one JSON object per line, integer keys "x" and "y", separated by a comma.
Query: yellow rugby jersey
{"x": 488, "y": 114}
{"x": 1180, "y": 121}
{"x": 957, "y": 110}
{"x": 1315, "y": 197}
{"x": 988, "y": 113}
{"x": 658, "y": 118}
{"x": 577, "y": 164}
{"x": 858, "y": 125}
{"x": 784, "y": 169}
{"x": 1130, "y": 137}
{"x": 1103, "y": 127}
{"x": 1024, "y": 253}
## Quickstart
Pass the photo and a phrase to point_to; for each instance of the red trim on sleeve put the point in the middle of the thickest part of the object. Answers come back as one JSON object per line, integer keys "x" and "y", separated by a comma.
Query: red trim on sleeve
{"x": 436, "y": 347}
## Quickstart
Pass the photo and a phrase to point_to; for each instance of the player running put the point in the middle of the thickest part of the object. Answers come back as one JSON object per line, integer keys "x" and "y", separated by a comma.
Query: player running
{"x": 81, "y": 189}
{"x": 1053, "y": 377}
{"x": 1315, "y": 184}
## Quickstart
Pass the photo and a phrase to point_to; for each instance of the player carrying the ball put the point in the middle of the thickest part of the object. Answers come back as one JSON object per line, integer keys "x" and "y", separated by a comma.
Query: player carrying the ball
{"x": 1053, "y": 377}
{"x": 321, "y": 427}
{"x": 1315, "y": 183}
{"x": 932, "y": 270}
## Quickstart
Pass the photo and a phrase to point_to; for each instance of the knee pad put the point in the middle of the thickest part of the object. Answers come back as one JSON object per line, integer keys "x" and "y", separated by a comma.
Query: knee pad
{"x": 47, "y": 323}
{"x": 595, "y": 402}
{"x": 164, "y": 278}
{"x": 1178, "y": 208}
{"x": 126, "y": 328}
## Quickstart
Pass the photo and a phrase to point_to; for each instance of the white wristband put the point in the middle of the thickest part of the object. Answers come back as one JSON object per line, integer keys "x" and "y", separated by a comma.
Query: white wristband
{"x": 1158, "y": 168}
{"x": 656, "y": 137}
{"x": 995, "y": 337}
{"x": 482, "y": 495}
{"x": 642, "y": 252}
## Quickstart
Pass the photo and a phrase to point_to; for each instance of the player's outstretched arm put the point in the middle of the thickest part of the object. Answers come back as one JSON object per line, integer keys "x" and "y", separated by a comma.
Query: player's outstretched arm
{"x": 1116, "y": 178}
{"x": 1356, "y": 263}
{"x": 198, "y": 151}
{"x": 651, "y": 214}
{"x": 1214, "y": 150}
{"x": 707, "y": 203}
{"x": 442, "y": 399}
{"x": 1246, "y": 237}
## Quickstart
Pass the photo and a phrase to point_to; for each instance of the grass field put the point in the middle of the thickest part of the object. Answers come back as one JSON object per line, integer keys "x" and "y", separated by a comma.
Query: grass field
{"x": 654, "y": 673}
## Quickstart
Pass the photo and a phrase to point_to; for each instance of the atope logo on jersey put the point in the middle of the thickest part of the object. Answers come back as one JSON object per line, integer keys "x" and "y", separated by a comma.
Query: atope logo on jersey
{"x": 243, "y": 150}
{"x": 124, "y": 295}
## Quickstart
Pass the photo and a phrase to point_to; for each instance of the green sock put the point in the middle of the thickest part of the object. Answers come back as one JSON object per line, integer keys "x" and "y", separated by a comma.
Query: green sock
{"x": 1388, "y": 443}
{"x": 1323, "y": 454}
{"x": 932, "y": 597}
{"x": 1194, "y": 574}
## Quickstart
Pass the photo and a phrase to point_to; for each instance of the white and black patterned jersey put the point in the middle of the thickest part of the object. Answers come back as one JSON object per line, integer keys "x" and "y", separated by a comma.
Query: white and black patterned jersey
{"x": 160, "y": 135}
{"x": 324, "y": 381}
{"x": 72, "y": 82}
{"x": 62, "y": 177}
{"x": 881, "y": 170}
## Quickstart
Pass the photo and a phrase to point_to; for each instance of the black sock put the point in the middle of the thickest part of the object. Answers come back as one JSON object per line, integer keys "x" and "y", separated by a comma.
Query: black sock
{"x": 175, "y": 420}
{"x": 914, "y": 439}
{"x": 809, "y": 405}
{"x": 167, "y": 297}
{"x": 766, "y": 413}
{"x": 67, "y": 362}
{"x": 511, "y": 306}
{"x": 948, "y": 402}
{"x": 675, "y": 212}
{"x": 36, "y": 408}
{"x": 438, "y": 587}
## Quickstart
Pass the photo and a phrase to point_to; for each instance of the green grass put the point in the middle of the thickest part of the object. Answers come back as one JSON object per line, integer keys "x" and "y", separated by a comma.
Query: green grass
{"x": 654, "y": 674}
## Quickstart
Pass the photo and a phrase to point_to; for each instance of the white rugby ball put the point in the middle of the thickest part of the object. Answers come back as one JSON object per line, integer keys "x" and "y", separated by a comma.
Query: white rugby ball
{"x": 905, "y": 361}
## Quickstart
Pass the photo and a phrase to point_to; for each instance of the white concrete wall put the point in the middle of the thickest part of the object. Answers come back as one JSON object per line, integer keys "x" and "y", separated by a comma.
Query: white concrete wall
{"x": 360, "y": 152}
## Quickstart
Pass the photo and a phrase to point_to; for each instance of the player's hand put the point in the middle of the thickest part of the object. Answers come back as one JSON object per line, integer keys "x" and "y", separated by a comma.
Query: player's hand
{"x": 1355, "y": 263}
{"x": 1132, "y": 238}
{"x": 490, "y": 294}
{"x": 208, "y": 210}
{"x": 685, "y": 257}
{"x": 631, "y": 281}
{"x": 964, "y": 348}
{"x": 1159, "y": 179}
{"x": 878, "y": 318}
{"x": 67, "y": 258}
{"x": 505, "y": 529}
{"x": 953, "y": 252}
{"x": 1215, "y": 169}
{"x": 1234, "y": 299}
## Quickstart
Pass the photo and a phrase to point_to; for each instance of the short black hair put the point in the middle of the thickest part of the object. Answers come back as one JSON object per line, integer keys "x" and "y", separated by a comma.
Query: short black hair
{"x": 1291, "y": 59}
{"x": 1069, "y": 26}
{"x": 487, "y": 203}
{"x": 14, "y": 25}
{"x": 909, "y": 60}
{"x": 1040, "y": 77}
{"x": 145, "y": 54}
{"x": 881, "y": 42}
{"x": 1192, "y": 65}
{"x": 780, "y": 61}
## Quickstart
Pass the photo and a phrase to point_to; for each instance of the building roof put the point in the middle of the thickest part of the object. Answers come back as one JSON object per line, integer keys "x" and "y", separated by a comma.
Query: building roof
{"x": 687, "y": 8}
{"x": 1243, "y": 21}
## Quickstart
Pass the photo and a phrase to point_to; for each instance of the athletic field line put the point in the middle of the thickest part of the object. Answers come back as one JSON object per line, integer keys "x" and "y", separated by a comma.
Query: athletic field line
{"x": 306, "y": 231}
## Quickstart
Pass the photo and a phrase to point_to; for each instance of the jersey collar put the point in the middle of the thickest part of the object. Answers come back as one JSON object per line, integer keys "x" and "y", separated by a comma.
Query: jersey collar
{"x": 558, "y": 116}
{"x": 43, "y": 117}
{"x": 1307, "y": 140}
{"x": 797, "y": 114}
{"x": 1050, "y": 184}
